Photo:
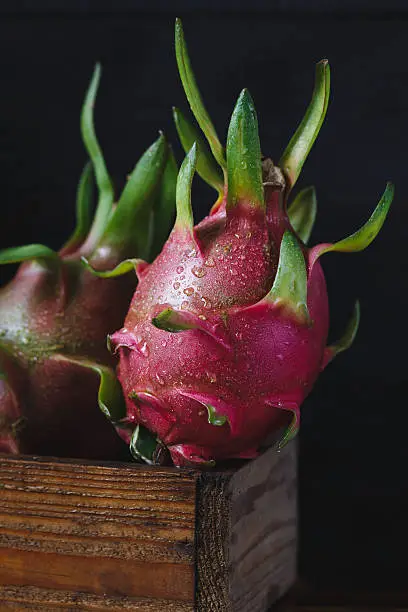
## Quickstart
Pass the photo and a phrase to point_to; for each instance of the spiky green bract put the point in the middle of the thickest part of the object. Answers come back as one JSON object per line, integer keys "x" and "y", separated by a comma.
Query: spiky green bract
{"x": 194, "y": 97}
{"x": 103, "y": 180}
{"x": 136, "y": 204}
{"x": 172, "y": 321}
{"x": 122, "y": 268}
{"x": 110, "y": 396}
{"x": 363, "y": 237}
{"x": 349, "y": 335}
{"x": 302, "y": 213}
{"x": 302, "y": 141}
{"x": 291, "y": 430}
{"x": 184, "y": 215}
{"x": 165, "y": 205}
{"x": 207, "y": 167}
{"x": 244, "y": 155}
{"x": 83, "y": 209}
{"x": 143, "y": 446}
{"x": 37, "y": 252}
{"x": 290, "y": 285}
{"x": 214, "y": 418}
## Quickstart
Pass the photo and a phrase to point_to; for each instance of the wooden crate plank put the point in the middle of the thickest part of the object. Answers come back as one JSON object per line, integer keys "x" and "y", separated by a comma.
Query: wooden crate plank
{"x": 97, "y": 529}
{"x": 36, "y": 599}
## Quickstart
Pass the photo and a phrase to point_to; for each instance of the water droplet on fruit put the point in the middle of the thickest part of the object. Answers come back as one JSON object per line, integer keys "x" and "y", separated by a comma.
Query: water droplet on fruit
{"x": 188, "y": 291}
{"x": 279, "y": 357}
{"x": 144, "y": 349}
{"x": 184, "y": 305}
{"x": 198, "y": 271}
{"x": 206, "y": 302}
{"x": 212, "y": 377}
{"x": 176, "y": 285}
{"x": 243, "y": 165}
{"x": 159, "y": 379}
{"x": 202, "y": 317}
{"x": 191, "y": 253}
{"x": 164, "y": 343}
{"x": 210, "y": 262}
{"x": 179, "y": 269}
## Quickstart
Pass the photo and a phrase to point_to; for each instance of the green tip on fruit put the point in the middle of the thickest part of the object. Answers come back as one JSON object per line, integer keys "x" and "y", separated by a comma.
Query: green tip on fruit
{"x": 124, "y": 267}
{"x": 172, "y": 321}
{"x": 83, "y": 209}
{"x": 302, "y": 141}
{"x": 207, "y": 166}
{"x": 130, "y": 228}
{"x": 362, "y": 237}
{"x": 346, "y": 340}
{"x": 184, "y": 218}
{"x": 350, "y": 333}
{"x": 38, "y": 252}
{"x": 244, "y": 165}
{"x": 103, "y": 180}
{"x": 290, "y": 285}
{"x": 218, "y": 420}
{"x": 291, "y": 431}
{"x": 194, "y": 97}
{"x": 110, "y": 396}
{"x": 175, "y": 321}
{"x": 302, "y": 213}
{"x": 164, "y": 208}
{"x": 143, "y": 445}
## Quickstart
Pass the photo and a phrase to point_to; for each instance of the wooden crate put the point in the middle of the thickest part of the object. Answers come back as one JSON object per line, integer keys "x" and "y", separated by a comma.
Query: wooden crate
{"x": 106, "y": 537}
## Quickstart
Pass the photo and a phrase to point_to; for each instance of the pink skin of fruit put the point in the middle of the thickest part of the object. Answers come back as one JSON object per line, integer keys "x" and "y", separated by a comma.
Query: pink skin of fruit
{"x": 250, "y": 359}
{"x": 42, "y": 399}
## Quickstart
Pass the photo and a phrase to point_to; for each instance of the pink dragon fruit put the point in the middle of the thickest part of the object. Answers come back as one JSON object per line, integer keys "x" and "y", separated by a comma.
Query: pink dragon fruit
{"x": 227, "y": 330}
{"x": 55, "y": 314}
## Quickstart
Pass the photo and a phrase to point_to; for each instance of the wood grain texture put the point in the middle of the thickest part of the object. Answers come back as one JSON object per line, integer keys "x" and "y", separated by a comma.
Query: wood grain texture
{"x": 212, "y": 543}
{"x": 126, "y": 537}
{"x": 104, "y": 530}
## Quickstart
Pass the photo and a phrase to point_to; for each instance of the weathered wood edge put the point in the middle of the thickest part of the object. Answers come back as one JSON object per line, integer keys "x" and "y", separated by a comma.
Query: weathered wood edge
{"x": 212, "y": 536}
{"x": 229, "y": 539}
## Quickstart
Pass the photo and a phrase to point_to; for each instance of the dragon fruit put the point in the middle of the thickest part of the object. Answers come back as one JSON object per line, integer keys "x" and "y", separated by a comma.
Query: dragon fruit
{"x": 55, "y": 314}
{"x": 227, "y": 330}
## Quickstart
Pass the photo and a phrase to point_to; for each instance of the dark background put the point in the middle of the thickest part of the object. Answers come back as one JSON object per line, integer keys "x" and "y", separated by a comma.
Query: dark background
{"x": 353, "y": 451}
